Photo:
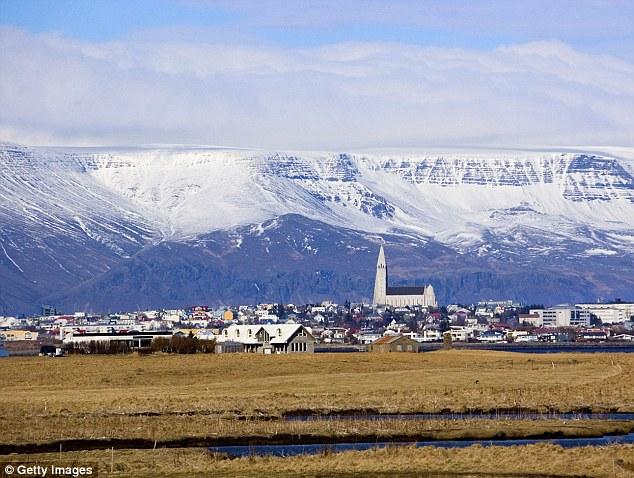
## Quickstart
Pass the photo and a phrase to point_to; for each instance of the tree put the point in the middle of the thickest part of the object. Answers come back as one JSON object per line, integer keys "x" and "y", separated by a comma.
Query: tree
{"x": 281, "y": 311}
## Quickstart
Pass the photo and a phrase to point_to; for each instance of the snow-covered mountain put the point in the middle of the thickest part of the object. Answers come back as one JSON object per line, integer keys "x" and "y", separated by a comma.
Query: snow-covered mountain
{"x": 80, "y": 227}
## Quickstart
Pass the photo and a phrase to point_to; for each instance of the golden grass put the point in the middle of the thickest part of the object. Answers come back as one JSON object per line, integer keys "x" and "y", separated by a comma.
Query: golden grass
{"x": 242, "y": 383}
{"x": 212, "y": 428}
{"x": 616, "y": 461}
{"x": 94, "y": 396}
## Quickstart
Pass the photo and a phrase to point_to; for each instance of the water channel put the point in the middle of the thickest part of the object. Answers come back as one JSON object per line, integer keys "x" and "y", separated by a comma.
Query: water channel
{"x": 317, "y": 448}
{"x": 518, "y": 415}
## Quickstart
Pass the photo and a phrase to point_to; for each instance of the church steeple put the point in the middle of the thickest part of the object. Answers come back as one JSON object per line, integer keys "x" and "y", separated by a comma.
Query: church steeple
{"x": 380, "y": 282}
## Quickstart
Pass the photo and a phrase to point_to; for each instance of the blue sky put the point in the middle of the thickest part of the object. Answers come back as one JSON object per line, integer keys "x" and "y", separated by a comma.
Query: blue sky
{"x": 317, "y": 74}
{"x": 103, "y": 20}
{"x": 594, "y": 26}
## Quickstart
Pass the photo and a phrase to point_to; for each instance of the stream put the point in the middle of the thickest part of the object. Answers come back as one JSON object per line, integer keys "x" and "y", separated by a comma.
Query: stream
{"x": 323, "y": 448}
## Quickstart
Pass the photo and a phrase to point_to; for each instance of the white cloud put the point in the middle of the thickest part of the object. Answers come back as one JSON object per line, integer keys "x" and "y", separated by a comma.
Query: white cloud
{"x": 350, "y": 95}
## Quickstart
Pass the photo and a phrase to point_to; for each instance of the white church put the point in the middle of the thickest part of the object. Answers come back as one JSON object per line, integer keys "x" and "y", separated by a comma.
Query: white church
{"x": 400, "y": 296}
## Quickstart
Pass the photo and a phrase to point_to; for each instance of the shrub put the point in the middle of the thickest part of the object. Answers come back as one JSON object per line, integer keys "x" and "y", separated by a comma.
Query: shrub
{"x": 179, "y": 344}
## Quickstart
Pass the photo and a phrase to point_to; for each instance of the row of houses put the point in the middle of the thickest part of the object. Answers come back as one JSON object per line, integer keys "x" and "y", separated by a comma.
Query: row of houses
{"x": 266, "y": 339}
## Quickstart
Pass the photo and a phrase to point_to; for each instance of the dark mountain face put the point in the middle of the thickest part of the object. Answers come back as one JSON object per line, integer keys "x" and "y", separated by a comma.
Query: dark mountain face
{"x": 294, "y": 259}
{"x": 33, "y": 266}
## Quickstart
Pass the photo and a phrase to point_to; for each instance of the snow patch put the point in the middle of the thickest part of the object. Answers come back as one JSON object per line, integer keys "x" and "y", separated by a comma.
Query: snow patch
{"x": 10, "y": 259}
{"x": 600, "y": 252}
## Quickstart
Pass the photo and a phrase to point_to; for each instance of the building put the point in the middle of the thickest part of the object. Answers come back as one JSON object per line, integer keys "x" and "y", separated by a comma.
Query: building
{"x": 366, "y": 338}
{"x": 596, "y": 335}
{"x": 431, "y": 334}
{"x": 423, "y": 296}
{"x": 267, "y": 339}
{"x": 459, "y": 333}
{"x": 393, "y": 343}
{"x": 626, "y": 337}
{"x": 492, "y": 336}
{"x": 228, "y": 347}
{"x": 534, "y": 320}
{"x": 49, "y": 311}
{"x": 563, "y": 316}
{"x": 615, "y": 313}
{"x": 15, "y": 335}
{"x": 334, "y": 335}
{"x": 132, "y": 339}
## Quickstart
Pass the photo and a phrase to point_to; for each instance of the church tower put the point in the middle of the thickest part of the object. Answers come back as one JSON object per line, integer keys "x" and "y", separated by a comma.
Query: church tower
{"x": 380, "y": 282}
{"x": 430, "y": 297}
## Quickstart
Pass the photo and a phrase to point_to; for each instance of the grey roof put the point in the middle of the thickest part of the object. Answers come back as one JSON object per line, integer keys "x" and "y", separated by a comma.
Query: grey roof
{"x": 409, "y": 290}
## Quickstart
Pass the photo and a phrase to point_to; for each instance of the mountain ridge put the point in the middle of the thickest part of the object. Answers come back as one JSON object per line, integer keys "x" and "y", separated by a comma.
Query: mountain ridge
{"x": 68, "y": 217}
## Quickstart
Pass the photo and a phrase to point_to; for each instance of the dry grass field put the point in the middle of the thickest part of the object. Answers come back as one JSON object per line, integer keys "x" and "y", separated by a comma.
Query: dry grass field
{"x": 175, "y": 430}
{"x": 171, "y": 397}
{"x": 455, "y": 380}
{"x": 396, "y": 462}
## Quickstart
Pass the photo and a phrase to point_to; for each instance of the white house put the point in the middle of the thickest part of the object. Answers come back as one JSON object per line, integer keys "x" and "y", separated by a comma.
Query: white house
{"x": 366, "y": 338}
{"x": 459, "y": 333}
{"x": 273, "y": 338}
{"x": 431, "y": 334}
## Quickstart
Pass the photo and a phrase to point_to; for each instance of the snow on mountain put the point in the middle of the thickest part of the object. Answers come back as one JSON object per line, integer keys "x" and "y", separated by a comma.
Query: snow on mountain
{"x": 57, "y": 192}
{"x": 454, "y": 199}
{"x": 103, "y": 206}
{"x": 457, "y": 199}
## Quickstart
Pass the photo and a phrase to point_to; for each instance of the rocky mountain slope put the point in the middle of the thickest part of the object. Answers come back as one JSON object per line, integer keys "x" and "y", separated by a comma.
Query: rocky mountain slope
{"x": 96, "y": 229}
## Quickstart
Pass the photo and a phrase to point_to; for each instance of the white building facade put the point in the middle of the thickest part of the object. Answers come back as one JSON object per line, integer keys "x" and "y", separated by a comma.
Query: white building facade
{"x": 267, "y": 339}
{"x": 611, "y": 313}
{"x": 423, "y": 296}
{"x": 563, "y": 316}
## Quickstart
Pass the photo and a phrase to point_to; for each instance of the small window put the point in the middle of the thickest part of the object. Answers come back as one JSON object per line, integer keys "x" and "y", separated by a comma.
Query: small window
{"x": 279, "y": 332}
{"x": 237, "y": 333}
{"x": 250, "y": 333}
{"x": 226, "y": 332}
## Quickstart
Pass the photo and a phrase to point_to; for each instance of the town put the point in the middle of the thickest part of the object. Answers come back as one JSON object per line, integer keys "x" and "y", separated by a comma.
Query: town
{"x": 400, "y": 319}
{"x": 290, "y": 328}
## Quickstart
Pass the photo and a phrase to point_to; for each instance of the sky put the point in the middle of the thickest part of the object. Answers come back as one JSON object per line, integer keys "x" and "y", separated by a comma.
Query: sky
{"x": 326, "y": 75}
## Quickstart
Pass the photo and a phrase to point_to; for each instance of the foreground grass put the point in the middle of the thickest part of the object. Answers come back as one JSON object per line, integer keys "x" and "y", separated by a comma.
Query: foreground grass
{"x": 165, "y": 397}
{"x": 209, "y": 429}
{"x": 475, "y": 461}
{"x": 248, "y": 384}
